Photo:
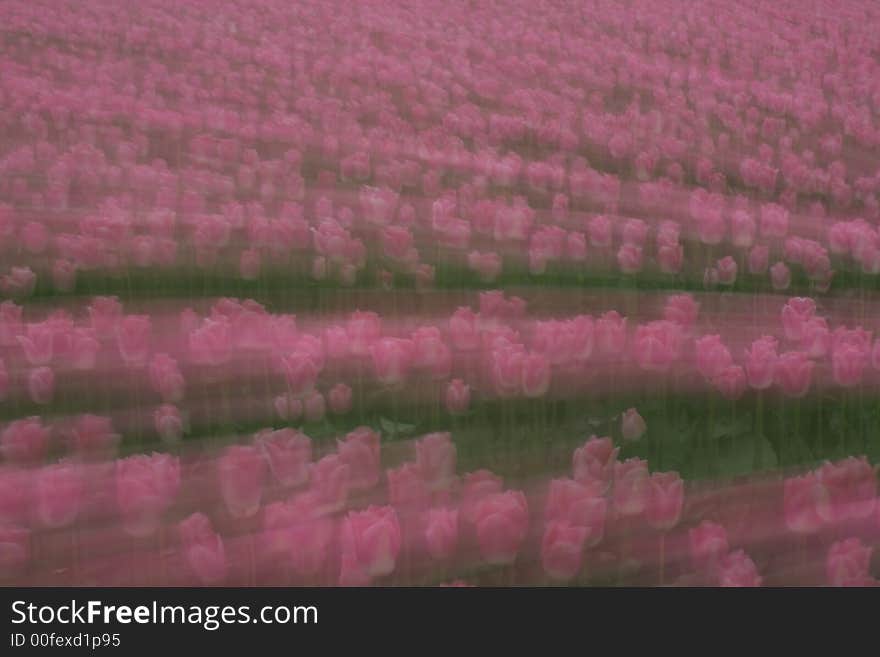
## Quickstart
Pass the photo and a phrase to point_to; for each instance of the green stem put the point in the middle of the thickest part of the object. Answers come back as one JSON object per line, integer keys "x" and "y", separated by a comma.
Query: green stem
{"x": 662, "y": 557}
{"x": 757, "y": 460}
{"x": 394, "y": 412}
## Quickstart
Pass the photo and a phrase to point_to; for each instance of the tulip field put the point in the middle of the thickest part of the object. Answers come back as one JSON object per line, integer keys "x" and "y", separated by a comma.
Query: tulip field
{"x": 439, "y": 293}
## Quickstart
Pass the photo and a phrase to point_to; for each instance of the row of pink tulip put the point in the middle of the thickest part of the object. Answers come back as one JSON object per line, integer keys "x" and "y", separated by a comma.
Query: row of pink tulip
{"x": 125, "y": 188}
{"x": 498, "y": 352}
{"x": 332, "y": 518}
{"x": 496, "y": 235}
{"x": 283, "y": 97}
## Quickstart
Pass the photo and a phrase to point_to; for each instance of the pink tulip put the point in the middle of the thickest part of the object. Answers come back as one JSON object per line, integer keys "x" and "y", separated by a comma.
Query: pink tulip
{"x": 93, "y": 434}
{"x": 657, "y": 345}
{"x": 635, "y": 231}
{"x": 815, "y": 338}
{"x": 708, "y": 544}
{"x": 535, "y": 376}
{"x": 839, "y": 238}
{"x": 360, "y": 452}
{"x": 84, "y": 350}
{"x": 774, "y": 221}
{"x": 556, "y": 341}
{"x": 430, "y": 353}
{"x": 339, "y": 399}
{"x": 189, "y": 321}
{"x": 477, "y": 486}
{"x": 24, "y": 441}
{"x": 738, "y": 570}
{"x": 203, "y": 549}
{"x": 464, "y": 329}
{"x": 486, "y": 265}
{"x": 392, "y": 358}
{"x": 857, "y": 337}
{"x": 10, "y": 323}
{"x": 742, "y": 228}
{"x": 559, "y": 210}
{"x": 760, "y": 364}
{"x": 629, "y": 258}
{"x": 780, "y": 276}
{"x": 38, "y": 343}
{"x": 711, "y": 227}
{"x": 407, "y": 489}
{"x": 576, "y": 247}
{"x": 795, "y": 316}
{"x": 441, "y": 533}
{"x": 330, "y": 481}
{"x": 241, "y": 470}
{"x": 288, "y": 453}
{"x": 300, "y": 371}
{"x": 713, "y": 357}
{"x": 578, "y": 504}
{"x": 807, "y": 503}
{"x": 435, "y": 460}
{"x": 848, "y": 563}
{"x": 397, "y": 241}
{"x": 16, "y": 495}
{"x": 847, "y": 364}
{"x": 727, "y": 270}
{"x": 599, "y": 231}
{"x": 336, "y": 343}
{"x": 15, "y": 550}
{"x": 59, "y": 494}
{"x": 562, "y": 549}
{"x": 133, "y": 339}
{"x": 211, "y": 343}
{"x": 594, "y": 463}
{"x": 670, "y": 258}
{"x": 731, "y": 382}
{"x": 506, "y": 368}
{"x": 681, "y": 309}
{"x": 852, "y": 486}
{"x": 169, "y": 423}
{"x": 34, "y": 237}
{"x": 665, "y": 500}
{"x": 501, "y": 521}
{"x": 299, "y": 530}
{"x": 288, "y": 408}
{"x": 363, "y": 328}
{"x": 278, "y": 519}
{"x": 632, "y": 425}
{"x": 314, "y": 407}
{"x": 458, "y": 397}
{"x": 145, "y": 488}
{"x": 166, "y": 379}
{"x": 633, "y": 486}
{"x": 611, "y": 333}
{"x": 759, "y": 259}
{"x": 41, "y": 385}
{"x": 668, "y": 233}
{"x": 581, "y": 335}
{"x": 371, "y": 540}
{"x": 20, "y": 282}
{"x": 794, "y": 373}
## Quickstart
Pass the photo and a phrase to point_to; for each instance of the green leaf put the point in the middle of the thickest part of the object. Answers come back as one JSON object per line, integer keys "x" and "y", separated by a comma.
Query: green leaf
{"x": 392, "y": 428}
{"x": 731, "y": 427}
